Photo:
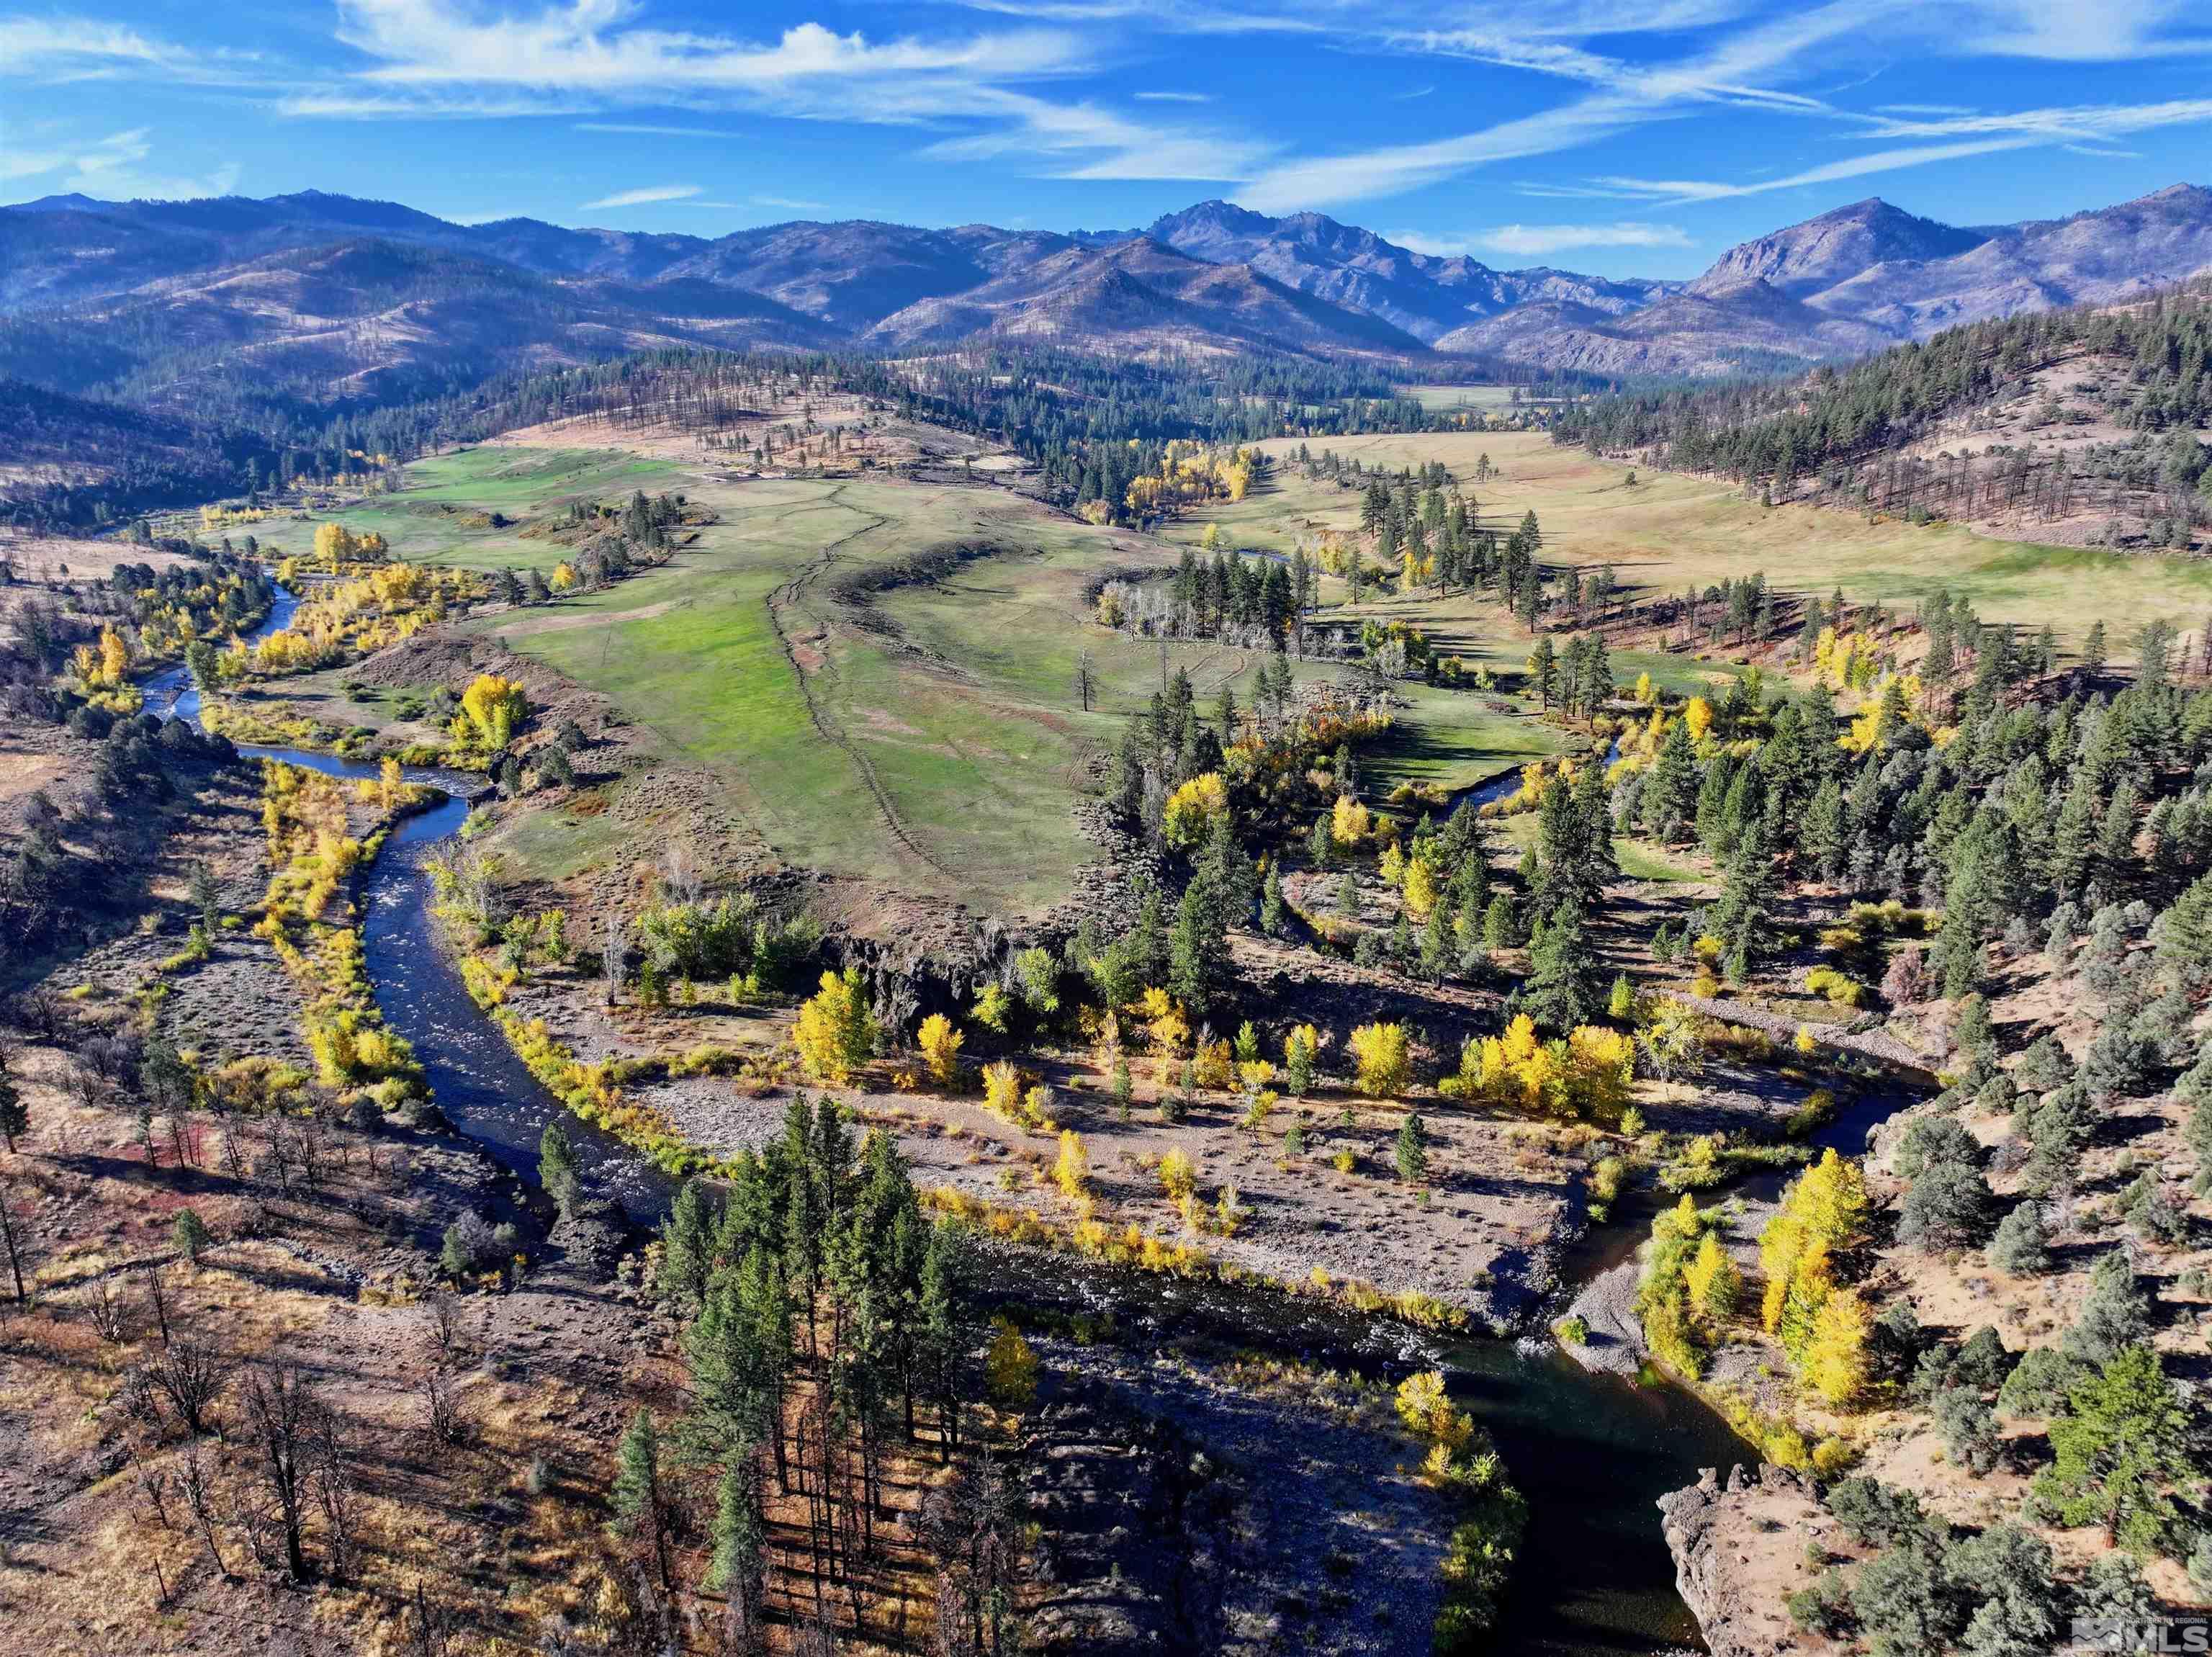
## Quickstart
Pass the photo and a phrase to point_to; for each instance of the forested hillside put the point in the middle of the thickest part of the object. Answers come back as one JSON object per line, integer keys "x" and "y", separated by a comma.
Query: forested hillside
{"x": 2088, "y": 423}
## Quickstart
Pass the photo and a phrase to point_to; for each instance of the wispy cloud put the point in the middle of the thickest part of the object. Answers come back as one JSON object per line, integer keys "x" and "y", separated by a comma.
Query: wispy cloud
{"x": 644, "y": 195}
{"x": 1084, "y": 141}
{"x": 787, "y": 204}
{"x": 1730, "y": 70}
{"x": 1540, "y": 241}
{"x": 1173, "y": 97}
{"x": 2067, "y": 123}
{"x": 57, "y": 50}
{"x": 111, "y": 169}
{"x": 2069, "y": 31}
{"x": 1680, "y": 190}
{"x": 646, "y": 129}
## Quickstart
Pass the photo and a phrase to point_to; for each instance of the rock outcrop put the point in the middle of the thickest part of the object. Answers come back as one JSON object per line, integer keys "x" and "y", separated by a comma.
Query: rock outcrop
{"x": 1738, "y": 1544}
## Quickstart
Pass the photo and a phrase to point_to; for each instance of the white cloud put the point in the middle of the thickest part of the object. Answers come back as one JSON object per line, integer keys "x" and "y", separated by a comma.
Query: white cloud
{"x": 1540, "y": 241}
{"x": 640, "y": 197}
{"x": 2071, "y": 31}
{"x": 108, "y": 169}
{"x": 1883, "y": 161}
{"x": 2075, "y": 123}
{"x": 1629, "y": 97}
{"x": 1083, "y": 141}
{"x": 1173, "y": 97}
{"x": 789, "y": 205}
{"x": 74, "y": 45}
{"x": 648, "y": 130}
{"x": 587, "y": 47}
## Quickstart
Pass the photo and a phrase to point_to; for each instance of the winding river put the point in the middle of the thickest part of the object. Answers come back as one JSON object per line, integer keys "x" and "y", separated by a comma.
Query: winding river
{"x": 1592, "y": 1452}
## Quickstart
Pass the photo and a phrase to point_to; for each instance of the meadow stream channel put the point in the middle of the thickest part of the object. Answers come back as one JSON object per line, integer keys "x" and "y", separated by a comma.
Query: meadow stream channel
{"x": 1592, "y": 1452}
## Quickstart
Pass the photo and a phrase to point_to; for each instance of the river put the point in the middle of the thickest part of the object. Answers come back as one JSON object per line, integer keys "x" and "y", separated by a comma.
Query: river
{"x": 1592, "y": 1452}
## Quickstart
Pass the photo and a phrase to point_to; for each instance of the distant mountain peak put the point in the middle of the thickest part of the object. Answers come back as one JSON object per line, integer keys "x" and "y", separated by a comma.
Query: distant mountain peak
{"x": 1830, "y": 247}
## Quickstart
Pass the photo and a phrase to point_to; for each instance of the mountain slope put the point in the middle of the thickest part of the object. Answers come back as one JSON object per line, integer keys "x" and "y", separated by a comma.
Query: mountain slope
{"x": 1805, "y": 259}
{"x": 99, "y": 290}
{"x": 1147, "y": 296}
{"x": 1861, "y": 278}
{"x": 1425, "y": 294}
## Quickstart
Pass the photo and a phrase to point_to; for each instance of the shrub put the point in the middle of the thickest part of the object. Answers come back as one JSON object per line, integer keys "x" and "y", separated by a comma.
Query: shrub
{"x": 1178, "y": 1175}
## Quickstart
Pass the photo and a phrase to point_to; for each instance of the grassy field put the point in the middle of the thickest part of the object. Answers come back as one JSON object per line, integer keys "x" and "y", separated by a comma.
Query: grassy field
{"x": 929, "y": 734}
{"x": 1476, "y": 399}
{"x": 1665, "y": 533}
{"x": 445, "y": 513}
{"x": 948, "y": 759}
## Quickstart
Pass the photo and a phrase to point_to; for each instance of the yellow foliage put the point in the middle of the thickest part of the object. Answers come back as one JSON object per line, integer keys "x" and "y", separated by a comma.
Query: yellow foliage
{"x": 1699, "y": 716}
{"x": 1194, "y": 809}
{"x": 1010, "y": 1368}
{"x": 1072, "y": 1173}
{"x": 1712, "y": 1279}
{"x": 1420, "y": 888}
{"x": 1382, "y": 1054}
{"x": 1178, "y": 1175}
{"x": 1835, "y": 1360}
{"x": 495, "y": 706}
{"x": 1351, "y": 822}
{"x": 940, "y": 1049}
{"x": 1164, "y": 1022}
{"x": 833, "y": 1032}
{"x": 1002, "y": 1090}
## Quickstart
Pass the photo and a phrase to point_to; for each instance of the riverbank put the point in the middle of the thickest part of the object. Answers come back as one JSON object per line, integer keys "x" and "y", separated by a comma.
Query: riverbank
{"x": 1591, "y": 1454}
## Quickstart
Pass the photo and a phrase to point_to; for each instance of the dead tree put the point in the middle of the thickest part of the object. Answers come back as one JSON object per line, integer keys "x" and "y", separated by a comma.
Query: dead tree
{"x": 189, "y": 1376}
{"x": 280, "y": 1407}
{"x": 193, "y": 1478}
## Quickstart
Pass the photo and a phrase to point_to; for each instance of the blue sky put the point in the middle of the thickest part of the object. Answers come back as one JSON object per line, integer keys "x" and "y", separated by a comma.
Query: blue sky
{"x": 1625, "y": 137}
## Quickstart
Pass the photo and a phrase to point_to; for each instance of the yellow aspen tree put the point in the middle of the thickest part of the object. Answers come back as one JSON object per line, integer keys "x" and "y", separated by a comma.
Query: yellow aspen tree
{"x": 940, "y": 1049}
{"x": 1835, "y": 1360}
{"x": 835, "y": 1029}
{"x": 114, "y": 656}
{"x": 1072, "y": 1173}
{"x": 1383, "y": 1058}
{"x": 1713, "y": 1281}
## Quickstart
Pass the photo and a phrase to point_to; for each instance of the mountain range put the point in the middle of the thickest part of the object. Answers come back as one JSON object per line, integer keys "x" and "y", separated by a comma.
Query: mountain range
{"x": 314, "y": 296}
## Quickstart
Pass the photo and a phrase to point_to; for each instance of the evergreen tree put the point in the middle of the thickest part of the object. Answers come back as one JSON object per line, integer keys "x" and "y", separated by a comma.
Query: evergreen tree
{"x": 558, "y": 1169}
{"x": 2121, "y": 1446}
{"x": 639, "y": 1501}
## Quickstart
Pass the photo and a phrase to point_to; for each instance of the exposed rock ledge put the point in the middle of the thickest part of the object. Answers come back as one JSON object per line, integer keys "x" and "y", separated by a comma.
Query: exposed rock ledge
{"x": 1738, "y": 1549}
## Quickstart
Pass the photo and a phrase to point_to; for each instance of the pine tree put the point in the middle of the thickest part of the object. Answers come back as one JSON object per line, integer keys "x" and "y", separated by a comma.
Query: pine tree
{"x": 737, "y": 1570}
{"x": 1563, "y": 970}
{"x": 2122, "y": 1446}
{"x": 558, "y": 1169}
{"x": 1411, "y": 1150}
{"x": 638, "y": 1498}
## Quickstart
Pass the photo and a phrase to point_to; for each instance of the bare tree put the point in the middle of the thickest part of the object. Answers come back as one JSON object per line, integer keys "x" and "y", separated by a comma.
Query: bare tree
{"x": 442, "y": 1409}
{"x": 189, "y": 1376}
{"x": 107, "y": 1310}
{"x": 195, "y": 1481}
{"x": 611, "y": 953}
{"x": 444, "y": 1308}
{"x": 12, "y": 1241}
{"x": 678, "y": 874}
{"x": 335, "y": 1484}
{"x": 280, "y": 1407}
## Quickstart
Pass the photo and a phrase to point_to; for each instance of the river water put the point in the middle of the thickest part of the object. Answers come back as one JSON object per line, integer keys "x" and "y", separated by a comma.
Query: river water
{"x": 1592, "y": 1452}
